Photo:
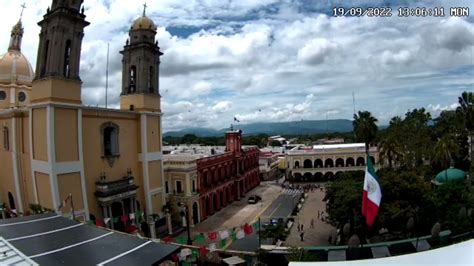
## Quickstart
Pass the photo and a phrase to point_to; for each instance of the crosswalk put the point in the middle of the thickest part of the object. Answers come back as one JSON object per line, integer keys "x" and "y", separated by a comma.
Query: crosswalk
{"x": 289, "y": 191}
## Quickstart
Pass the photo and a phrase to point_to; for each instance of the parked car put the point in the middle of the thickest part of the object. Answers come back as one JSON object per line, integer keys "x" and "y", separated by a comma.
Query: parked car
{"x": 254, "y": 199}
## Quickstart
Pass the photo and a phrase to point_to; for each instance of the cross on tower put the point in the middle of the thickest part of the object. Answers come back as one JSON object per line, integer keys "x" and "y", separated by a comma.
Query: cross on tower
{"x": 144, "y": 8}
{"x": 22, "y": 8}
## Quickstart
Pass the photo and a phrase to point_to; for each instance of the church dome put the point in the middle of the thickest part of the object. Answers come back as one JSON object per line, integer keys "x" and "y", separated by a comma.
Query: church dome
{"x": 450, "y": 174}
{"x": 15, "y": 69}
{"x": 143, "y": 23}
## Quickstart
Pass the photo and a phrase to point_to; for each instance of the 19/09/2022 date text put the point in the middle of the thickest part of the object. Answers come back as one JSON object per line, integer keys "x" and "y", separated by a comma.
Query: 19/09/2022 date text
{"x": 362, "y": 12}
{"x": 400, "y": 12}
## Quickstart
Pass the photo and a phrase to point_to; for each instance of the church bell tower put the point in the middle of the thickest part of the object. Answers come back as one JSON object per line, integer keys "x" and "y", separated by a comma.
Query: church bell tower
{"x": 59, "y": 51}
{"x": 140, "y": 68}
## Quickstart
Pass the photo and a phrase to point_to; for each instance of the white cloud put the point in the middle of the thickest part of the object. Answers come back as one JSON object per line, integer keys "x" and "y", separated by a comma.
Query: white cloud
{"x": 317, "y": 51}
{"x": 437, "y": 108}
{"x": 222, "y": 107}
{"x": 262, "y": 60}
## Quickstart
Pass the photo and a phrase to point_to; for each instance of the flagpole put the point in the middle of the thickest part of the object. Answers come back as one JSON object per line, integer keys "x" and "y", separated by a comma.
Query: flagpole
{"x": 107, "y": 76}
{"x": 259, "y": 240}
{"x": 72, "y": 207}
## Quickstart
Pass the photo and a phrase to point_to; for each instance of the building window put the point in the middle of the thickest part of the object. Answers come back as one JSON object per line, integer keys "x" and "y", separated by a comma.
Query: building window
{"x": 194, "y": 185}
{"x": 45, "y": 58}
{"x": 3, "y": 95}
{"x": 179, "y": 188}
{"x": 6, "y": 139}
{"x": 21, "y": 96}
{"x": 67, "y": 59}
{"x": 133, "y": 79}
{"x": 110, "y": 139}
{"x": 167, "y": 189}
{"x": 150, "y": 80}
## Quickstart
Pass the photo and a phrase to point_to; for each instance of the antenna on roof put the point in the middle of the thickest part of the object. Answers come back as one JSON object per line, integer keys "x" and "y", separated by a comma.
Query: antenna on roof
{"x": 354, "y": 102}
{"x": 326, "y": 123}
{"x": 107, "y": 75}
{"x": 353, "y": 116}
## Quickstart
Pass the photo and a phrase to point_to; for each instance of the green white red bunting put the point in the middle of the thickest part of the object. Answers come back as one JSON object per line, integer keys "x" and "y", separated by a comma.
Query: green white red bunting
{"x": 371, "y": 195}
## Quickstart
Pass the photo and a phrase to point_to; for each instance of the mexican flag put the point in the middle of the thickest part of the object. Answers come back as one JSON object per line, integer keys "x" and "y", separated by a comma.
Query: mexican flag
{"x": 371, "y": 195}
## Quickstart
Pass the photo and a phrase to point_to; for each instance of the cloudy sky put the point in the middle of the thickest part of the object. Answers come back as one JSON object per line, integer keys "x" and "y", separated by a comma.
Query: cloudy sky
{"x": 270, "y": 60}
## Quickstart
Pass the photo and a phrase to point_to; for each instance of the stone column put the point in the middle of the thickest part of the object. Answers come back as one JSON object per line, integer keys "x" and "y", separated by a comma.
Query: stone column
{"x": 151, "y": 225}
{"x": 105, "y": 214}
{"x": 132, "y": 209}
{"x": 137, "y": 219}
{"x": 109, "y": 208}
{"x": 168, "y": 222}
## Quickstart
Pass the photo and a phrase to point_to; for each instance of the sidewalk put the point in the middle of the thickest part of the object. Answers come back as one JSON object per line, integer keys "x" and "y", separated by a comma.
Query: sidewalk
{"x": 317, "y": 236}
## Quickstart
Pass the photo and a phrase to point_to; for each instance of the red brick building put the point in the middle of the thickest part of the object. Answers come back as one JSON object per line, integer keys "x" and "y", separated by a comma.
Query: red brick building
{"x": 226, "y": 177}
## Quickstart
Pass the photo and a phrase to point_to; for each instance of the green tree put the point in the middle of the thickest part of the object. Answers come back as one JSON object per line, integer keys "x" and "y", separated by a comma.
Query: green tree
{"x": 405, "y": 194}
{"x": 344, "y": 197}
{"x": 365, "y": 128}
{"x": 275, "y": 143}
{"x": 275, "y": 232}
{"x": 466, "y": 110}
{"x": 390, "y": 149}
{"x": 444, "y": 150}
{"x": 189, "y": 139}
{"x": 449, "y": 198}
{"x": 415, "y": 135}
{"x": 466, "y": 114}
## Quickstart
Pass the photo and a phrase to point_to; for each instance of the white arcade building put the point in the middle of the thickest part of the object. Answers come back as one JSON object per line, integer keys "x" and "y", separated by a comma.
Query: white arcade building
{"x": 327, "y": 162}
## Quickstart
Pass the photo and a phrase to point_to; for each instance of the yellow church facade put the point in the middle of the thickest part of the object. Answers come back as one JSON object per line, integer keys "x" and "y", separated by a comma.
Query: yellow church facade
{"x": 108, "y": 160}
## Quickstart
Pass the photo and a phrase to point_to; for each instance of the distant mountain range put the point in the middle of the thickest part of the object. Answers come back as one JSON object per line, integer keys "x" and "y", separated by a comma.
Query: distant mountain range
{"x": 303, "y": 127}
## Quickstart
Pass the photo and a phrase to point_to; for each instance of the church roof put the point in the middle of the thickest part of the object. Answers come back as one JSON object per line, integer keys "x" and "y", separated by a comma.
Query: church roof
{"x": 15, "y": 69}
{"x": 143, "y": 23}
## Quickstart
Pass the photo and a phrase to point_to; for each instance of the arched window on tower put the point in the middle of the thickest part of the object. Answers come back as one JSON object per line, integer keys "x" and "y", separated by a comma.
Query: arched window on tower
{"x": 6, "y": 139}
{"x": 45, "y": 58}
{"x": 150, "y": 80}
{"x": 133, "y": 79}
{"x": 67, "y": 59}
{"x": 110, "y": 139}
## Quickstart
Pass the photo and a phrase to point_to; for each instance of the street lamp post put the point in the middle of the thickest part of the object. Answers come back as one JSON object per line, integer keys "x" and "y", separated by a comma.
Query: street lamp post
{"x": 185, "y": 213}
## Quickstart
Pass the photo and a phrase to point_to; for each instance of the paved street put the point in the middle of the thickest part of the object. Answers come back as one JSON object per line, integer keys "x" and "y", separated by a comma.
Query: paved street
{"x": 239, "y": 212}
{"x": 276, "y": 203}
{"x": 281, "y": 207}
{"x": 317, "y": 236}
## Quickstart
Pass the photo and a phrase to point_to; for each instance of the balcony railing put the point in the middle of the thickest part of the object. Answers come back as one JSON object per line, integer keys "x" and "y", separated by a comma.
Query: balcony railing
{"x": 105, "y": 189}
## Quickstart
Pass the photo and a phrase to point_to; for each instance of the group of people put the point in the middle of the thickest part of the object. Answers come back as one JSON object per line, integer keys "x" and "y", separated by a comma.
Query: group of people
{"x": 323, "y": 216}
{"x": 305, "y": 187}
{"x": 301, "y": 229}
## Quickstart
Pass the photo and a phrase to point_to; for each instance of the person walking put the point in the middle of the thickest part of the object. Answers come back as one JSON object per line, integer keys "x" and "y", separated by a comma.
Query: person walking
{"x": 302, "y": 235}
{"x": 301, "y": 227}
{"x": 311, "y": 225}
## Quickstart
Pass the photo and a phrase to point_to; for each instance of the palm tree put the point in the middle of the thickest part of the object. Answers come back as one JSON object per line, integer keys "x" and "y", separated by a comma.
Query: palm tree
{"x": 365, "y": 128}
{"x": 390, "y": 149}
{"x": 444, "y": 149}
{"x": 466, "y": 113}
